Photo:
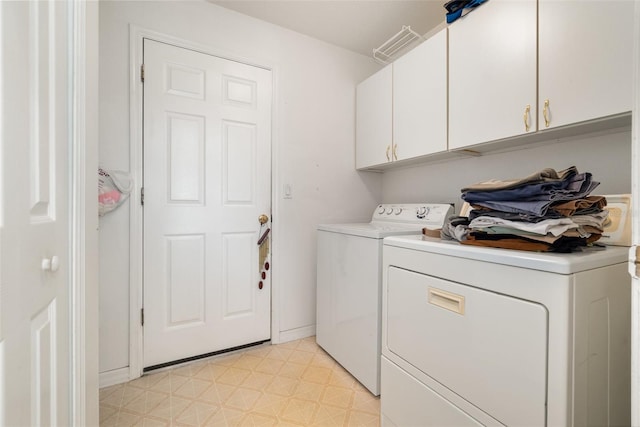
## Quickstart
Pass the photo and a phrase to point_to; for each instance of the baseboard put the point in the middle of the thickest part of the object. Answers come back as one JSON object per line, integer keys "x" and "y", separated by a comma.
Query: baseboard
{"x": 295, "y": 334}
{"x": 116, "y": 376}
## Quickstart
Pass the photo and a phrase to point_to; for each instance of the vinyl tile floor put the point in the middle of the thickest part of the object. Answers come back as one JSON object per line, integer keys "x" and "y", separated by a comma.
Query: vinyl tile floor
{"x": 290, "y": 384}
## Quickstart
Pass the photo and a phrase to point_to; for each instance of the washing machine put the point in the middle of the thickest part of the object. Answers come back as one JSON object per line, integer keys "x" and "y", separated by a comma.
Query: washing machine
{"x": 483, "y": 336}
{"x": 349, "y": 283}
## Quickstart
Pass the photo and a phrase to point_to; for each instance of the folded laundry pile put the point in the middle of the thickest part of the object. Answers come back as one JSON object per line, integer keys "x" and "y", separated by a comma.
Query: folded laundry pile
{"x": 545, "y": 211}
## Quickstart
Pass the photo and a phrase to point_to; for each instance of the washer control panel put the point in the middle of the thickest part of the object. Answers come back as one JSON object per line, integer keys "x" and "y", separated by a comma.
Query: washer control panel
{"x": 429, "y": 214}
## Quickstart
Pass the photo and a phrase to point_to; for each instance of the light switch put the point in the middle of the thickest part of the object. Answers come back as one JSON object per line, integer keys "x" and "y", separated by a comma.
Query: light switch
{"x": 287, "y": 191}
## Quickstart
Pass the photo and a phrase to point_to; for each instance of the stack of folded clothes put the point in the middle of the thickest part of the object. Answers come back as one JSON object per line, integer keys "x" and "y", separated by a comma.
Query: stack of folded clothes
{"x": 546, "y": 211}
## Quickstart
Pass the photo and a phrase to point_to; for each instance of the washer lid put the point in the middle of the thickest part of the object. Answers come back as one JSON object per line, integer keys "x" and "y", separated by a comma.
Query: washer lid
{"x": 372, "y": 230}
{"x": 551, "y": 262}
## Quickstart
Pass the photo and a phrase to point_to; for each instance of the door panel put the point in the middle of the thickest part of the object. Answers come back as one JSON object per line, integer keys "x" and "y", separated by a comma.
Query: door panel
{"x": 239, "y": 92}
{"x": 238, "y": 257}
{"x": 207, "y": 178}
{"x": 238, "y": 176}
{"x": 43, "y": 367}
{"x": 185, "y": 279}
{"x": 35, "y": 142}
{"x": 42, "y": 80}
{"x": 185, "y": 81}
{"x": 185, "y": 138}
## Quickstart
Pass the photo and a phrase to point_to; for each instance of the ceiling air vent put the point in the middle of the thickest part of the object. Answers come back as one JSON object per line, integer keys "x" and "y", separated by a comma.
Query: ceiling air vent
{"x": 395, "y": 45}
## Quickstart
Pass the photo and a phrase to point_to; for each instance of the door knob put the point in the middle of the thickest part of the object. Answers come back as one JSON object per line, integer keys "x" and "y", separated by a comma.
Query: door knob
{"x": 262, "y": 219}
{"x": 50, "y": 264}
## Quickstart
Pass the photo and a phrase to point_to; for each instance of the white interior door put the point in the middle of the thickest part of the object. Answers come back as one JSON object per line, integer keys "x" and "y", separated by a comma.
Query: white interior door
{"x": 34, "y": 213}
{"x": 207, "y": 179}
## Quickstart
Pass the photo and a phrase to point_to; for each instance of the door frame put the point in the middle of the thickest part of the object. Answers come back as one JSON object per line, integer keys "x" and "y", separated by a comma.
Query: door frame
{"x": 83, "y": 211}
{"x": 635, "y": 226}
{"x": 137, "y": 35}
{"x": 77, "y": 211}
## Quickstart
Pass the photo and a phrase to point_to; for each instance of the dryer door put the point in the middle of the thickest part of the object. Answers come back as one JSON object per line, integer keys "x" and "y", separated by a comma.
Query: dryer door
{"x": 488, "y": 348}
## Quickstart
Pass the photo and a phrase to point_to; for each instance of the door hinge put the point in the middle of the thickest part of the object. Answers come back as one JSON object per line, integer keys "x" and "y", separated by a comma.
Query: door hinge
{"x": 142, "y": 316}
{"x": 142, "y": 196}
{"x": 142, "y": 73}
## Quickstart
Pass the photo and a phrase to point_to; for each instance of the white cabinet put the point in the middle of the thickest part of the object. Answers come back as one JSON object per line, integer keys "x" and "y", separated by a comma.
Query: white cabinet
{"x": 401, "y": 110}
{"x": 373, "y": 119}
{"x": 420, "y": 99}
{"x": 509, "y": 69}
{"x": 492, "y": 72}
{"x": 585, "y": 60}
{"x": 583, "y": 67}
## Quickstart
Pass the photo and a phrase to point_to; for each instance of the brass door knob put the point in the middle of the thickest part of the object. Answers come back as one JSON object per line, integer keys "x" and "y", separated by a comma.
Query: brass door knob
{"x": 262, "y": 219}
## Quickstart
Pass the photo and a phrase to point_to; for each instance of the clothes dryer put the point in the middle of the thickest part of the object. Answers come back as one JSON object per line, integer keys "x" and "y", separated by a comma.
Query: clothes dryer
{"x": 484, "y": 336}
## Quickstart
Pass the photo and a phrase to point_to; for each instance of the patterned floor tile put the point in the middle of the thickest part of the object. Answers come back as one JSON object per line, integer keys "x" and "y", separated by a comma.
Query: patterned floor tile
{"x": 299, "y": 411}
{"x": 317, "y": 374}
{"x": 337, "y": 396}
{"x": 192, "y": 388}
{"x": 282, "y": 386}
{"x": 234, "y": 376}
{"x": 290, "y": 384}
{"x": 330, "y": 416}
{"x": 243, "y": 399}
{"x": 257, "y": 380}
{"x": 292, "y": 370}
{"x": 146, "y": 402}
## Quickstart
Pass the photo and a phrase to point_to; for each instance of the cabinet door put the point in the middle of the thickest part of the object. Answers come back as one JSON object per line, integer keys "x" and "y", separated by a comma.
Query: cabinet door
{"x": 492, "y": 72}
{"x": 585, "y": 60}
{"x": 373, "y": 119}
{"x": 420, "y": 99}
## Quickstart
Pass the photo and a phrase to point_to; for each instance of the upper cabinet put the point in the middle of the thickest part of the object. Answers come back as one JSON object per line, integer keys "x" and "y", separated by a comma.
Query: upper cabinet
{"x": 510, "y": 68}
{"x": 585, "y": 60}
{"x": 420, "y": 100}
{"x": 401, "y": 110}
{"x": 374, "y": 136}
{"x": 492, "y": 73}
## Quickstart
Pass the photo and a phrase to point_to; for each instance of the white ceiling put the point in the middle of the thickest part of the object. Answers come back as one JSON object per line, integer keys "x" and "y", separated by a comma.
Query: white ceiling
{"x": 356, "y": 25}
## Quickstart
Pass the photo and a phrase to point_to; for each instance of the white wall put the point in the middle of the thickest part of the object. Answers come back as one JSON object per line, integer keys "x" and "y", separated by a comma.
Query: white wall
{"x": 313, "y": 148}
{"x": 606, "y": 155}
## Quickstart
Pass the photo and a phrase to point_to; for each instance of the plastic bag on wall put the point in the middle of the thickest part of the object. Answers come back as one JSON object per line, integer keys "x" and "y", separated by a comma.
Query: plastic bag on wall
{"x": 114, "y": 188}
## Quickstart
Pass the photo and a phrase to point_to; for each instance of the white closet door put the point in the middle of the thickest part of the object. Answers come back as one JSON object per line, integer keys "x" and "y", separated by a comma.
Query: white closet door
{"x": 35, "y": 143}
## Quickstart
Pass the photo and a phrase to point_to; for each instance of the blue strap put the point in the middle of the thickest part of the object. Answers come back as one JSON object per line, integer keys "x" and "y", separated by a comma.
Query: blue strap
{"x": 452, "y": 16}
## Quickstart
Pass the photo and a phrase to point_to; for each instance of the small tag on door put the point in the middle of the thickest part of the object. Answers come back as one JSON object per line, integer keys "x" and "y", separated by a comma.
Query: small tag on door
{"x": 263, "y": 251}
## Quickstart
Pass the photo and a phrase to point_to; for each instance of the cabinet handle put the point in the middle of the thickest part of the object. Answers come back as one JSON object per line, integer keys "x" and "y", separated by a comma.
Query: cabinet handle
{"x": 388, "y": 148}
{"x": 446, "y": 300}
{"x": 526, "y": 118}
{"x": 545, "y": 113}
{"x": 395, "y": 154}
